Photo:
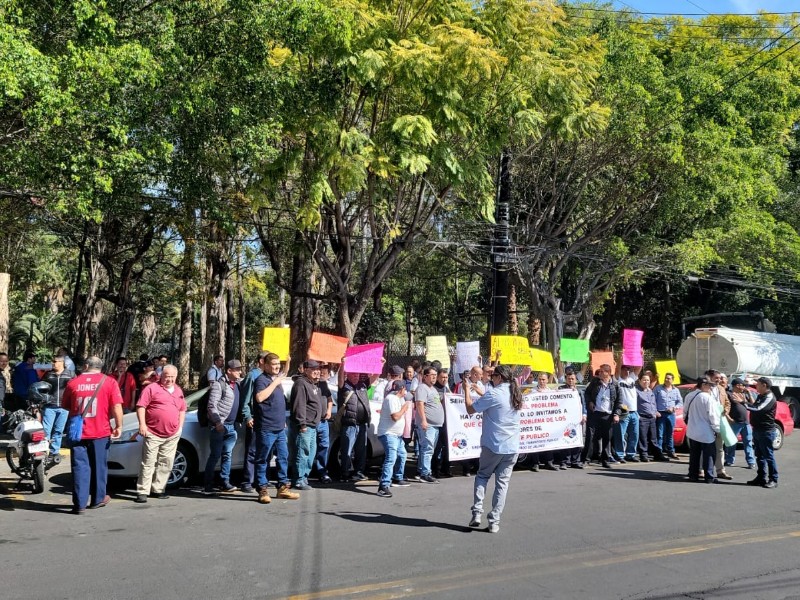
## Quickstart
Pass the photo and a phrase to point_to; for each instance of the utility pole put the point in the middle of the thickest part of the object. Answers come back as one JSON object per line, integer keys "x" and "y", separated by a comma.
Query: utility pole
{"x": 501, "y": 245}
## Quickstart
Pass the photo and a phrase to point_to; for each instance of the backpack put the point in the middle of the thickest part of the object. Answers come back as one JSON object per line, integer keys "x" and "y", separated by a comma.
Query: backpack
{"x": 202, "y": 404}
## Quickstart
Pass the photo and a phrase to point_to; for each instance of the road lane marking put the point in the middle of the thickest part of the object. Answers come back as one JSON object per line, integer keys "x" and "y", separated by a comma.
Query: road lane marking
{"x": 428, "y": 584}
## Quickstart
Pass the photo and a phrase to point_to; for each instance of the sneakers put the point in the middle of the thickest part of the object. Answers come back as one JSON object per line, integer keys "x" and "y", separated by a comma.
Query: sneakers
{"x": 751, "y": 467}
{"x": 228, "y": 488}
{"x": 140, "y": 498}
{"x": 325, "y": 479}
{"x": 493, "y": 528}
{"x": 475, "y": 522}
{"x": 632, "y": 459}
{"x": 246, "y": 488}
{"x": 284, "y": 493}
{"x": 384, "y": 492}
{"x": 535, "y": 467}
{"x": 401, "y": 483}
{"x": 263, "y": 495}
{"x": 302, "y": 486}
{"x": 621, "y": 461}
{"x": 770, "y": 485}
{"x": 360, "y": 477}
{"x": 428, "y": 479}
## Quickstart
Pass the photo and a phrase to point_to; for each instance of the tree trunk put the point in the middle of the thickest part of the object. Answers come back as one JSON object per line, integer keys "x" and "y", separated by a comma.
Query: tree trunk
{"x": 534, "y": 330}
{"x": 216, "y": 305}
{"x": 242, "y": 321}
{"x": 185, "y": 354}
{"x": 117, "y": 345}
{"x": 513, "y": 319}
{"x": 5, "y": 282}
{"x": 410, "y": 329}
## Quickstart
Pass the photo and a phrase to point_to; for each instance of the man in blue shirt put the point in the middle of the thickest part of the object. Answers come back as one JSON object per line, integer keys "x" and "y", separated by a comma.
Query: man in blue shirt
{"x": 270, "y": 429}
{"x": 23, "y": 377}
{"x": 668, "y": 398}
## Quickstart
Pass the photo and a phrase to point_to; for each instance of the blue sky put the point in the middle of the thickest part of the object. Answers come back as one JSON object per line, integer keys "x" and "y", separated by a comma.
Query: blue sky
{"x": 712, "y": 6}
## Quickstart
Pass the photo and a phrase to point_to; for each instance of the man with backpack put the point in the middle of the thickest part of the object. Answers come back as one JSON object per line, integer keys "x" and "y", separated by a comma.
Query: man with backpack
{"x": 224, "y": 409}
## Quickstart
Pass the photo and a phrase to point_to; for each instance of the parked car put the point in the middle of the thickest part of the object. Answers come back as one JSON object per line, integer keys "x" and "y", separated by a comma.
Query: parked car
{"x": 783, "y": 416}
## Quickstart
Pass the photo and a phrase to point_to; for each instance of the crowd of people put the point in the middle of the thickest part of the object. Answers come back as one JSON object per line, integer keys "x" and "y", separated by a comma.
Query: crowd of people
{"x": 628, "y": 416}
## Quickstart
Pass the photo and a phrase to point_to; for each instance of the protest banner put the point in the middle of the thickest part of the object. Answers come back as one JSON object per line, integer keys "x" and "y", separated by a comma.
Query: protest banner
{"x": 574, "y": 351}
{"x": 464, "y": 430}
{"x": 632, "y": 347}
{"x": 327, "y": 348}
{"x": 366, "y": 358}
{"x": 550, "y": 420}
{"x": 513, "y": 349}
{"x": 600, "y": 358}
{"x": 668, "y": 366}
{"x": 468, "y": 355}
{"x": 542, "y": 361}
{"x": 436, "y": 349}
{"x": 276, "y": 339}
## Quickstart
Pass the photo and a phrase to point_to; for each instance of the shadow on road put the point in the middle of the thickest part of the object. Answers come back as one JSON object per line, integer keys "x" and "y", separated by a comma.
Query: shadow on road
{"x": 374, "y": 517}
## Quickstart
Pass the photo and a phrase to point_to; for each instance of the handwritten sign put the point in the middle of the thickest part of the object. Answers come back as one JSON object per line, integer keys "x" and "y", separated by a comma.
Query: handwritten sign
{"x": 467, "y": 356}
{"x": 436, "y": 346}
{"x": 574, "y": 351}
{"x": 513, "y": 349}
{"x": 327, "y": 348}
{"x": 600, "y": 358}
{"x": 542, "y": 361}
{"x": 668, "y": 366}
{"x": 365, "y": 358}
{"x": 632, "y": 347}
{"x": 276, "y": 339}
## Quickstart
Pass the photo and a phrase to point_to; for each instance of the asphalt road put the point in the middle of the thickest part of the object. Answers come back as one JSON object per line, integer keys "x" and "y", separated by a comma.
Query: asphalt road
{"x": 634, "y": 532}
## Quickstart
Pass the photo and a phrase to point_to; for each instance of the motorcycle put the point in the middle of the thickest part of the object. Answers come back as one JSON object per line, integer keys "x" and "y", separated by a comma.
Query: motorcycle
{"x": 27, "y": 454}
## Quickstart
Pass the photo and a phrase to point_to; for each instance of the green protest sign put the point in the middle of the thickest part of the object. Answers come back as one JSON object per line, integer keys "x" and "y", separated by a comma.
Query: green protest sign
{"x": 574, "y": 351}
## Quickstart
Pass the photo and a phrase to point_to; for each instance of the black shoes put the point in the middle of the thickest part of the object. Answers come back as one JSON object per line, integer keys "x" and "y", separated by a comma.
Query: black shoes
{"x": 140, "y": 499}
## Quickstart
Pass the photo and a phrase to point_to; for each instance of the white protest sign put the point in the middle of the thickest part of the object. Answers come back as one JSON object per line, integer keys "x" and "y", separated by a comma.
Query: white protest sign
{"x": 550, "y": 420}
{"x": 467, "y": 356}
{"x": 464, "y": 430}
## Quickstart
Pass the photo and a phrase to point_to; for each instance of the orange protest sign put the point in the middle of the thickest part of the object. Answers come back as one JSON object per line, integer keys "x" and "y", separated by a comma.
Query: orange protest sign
{"x": 602, "y": 358}
{"x": 327, "y": 348}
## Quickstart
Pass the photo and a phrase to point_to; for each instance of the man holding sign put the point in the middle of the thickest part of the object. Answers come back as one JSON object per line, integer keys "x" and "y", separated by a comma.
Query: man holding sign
{"x": 500, "y": 407}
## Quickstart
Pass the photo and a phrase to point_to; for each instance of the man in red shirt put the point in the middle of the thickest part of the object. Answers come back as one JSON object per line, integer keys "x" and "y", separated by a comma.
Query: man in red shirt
{"x": 161, "y": 410}
{"x": 89, "y": 456}
{"x": 126, "y": 382}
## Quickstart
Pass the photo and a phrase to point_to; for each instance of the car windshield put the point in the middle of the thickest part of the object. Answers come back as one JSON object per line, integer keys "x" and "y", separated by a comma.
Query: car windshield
{"x": 193, "y": 398}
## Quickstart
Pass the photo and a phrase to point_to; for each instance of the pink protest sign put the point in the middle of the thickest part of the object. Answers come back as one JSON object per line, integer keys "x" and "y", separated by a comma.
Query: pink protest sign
{"x": 632, "y": 347}
{"x": 366, "y": 358}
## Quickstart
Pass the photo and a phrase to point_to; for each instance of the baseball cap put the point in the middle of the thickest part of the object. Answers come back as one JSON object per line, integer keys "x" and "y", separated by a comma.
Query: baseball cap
{"x": 234, "y": 364}
{"x": 311, "y": 364}
{"x": 396, "y": 370}
{"x": 737, "y": 381}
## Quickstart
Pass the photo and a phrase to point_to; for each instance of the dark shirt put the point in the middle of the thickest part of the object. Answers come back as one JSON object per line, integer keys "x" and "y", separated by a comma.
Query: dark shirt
{"x": 306, "y": 403}
{"x": 235, "y": 406}
{"x": 270, "y": 415}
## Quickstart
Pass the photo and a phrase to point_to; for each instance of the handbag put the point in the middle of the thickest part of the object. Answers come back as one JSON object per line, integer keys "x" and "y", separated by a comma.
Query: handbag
{"x": 74, "y": 431}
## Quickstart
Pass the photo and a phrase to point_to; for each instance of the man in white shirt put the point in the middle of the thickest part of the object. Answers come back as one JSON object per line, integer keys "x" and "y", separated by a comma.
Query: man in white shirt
{"x": 702, "y": 427}
{"x": 626, "y": 432}
{"x": 390, "y": 432}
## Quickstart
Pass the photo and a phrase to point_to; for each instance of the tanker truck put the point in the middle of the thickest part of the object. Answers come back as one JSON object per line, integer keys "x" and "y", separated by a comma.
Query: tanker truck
{"x": 746, "y": 354}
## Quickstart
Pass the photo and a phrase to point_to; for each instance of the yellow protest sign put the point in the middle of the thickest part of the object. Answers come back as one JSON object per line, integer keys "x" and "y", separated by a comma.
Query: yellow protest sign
{"x": 513, "y": 349}
{"x": 542, "y": 361}
{"x": 436, "y": 349}
{"x": 276, "y": 339}
{"x": 668, "y": 366}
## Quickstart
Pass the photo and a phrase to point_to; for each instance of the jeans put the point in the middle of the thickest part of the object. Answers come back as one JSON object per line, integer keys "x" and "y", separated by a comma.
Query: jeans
{"x": 440, "y": 463}
{"x": 302, "y": 449}
{"x": 626, "y": 435}
{"x": 665, "y": 424}
{"x": 222, "y": 443}
{"x": 267, "y": 441}
{"x": 353, "y": 440}
{"x": 394, "y": 460}
{"x": 249, "y": 468}
{"x": 323, "y": 447}
{"x": 427, "y": 442}
{"x": 708, "y": 452}
{"x": 747, "y": 442}
{"x": 89, "y": 462}
{"x": 501, "y": 466}
{"x": 765, "y": 455}
{"x": 54, "y": 420}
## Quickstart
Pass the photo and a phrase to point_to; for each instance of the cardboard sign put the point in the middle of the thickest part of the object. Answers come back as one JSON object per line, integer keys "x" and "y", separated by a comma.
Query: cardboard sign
{"x": 366, "y": 358}
{"x": 436, "y": 349}
{"x": 276, "y": 339}
{"x": 542, "y": 361}
{"x": 513, "y": 350}
{"x": 327, "y": 348}
{"x": 601, "y": 358}
{"x": 574, "y": 351}
{"x": 632, "y": 347}
{"x": 668, "y": 366}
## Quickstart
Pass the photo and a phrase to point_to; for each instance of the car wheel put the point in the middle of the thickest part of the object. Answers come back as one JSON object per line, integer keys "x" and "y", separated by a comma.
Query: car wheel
{"x": 184, "y": 467}
{"x": 777, "y": 444}
{"x": 794, "y": 408}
